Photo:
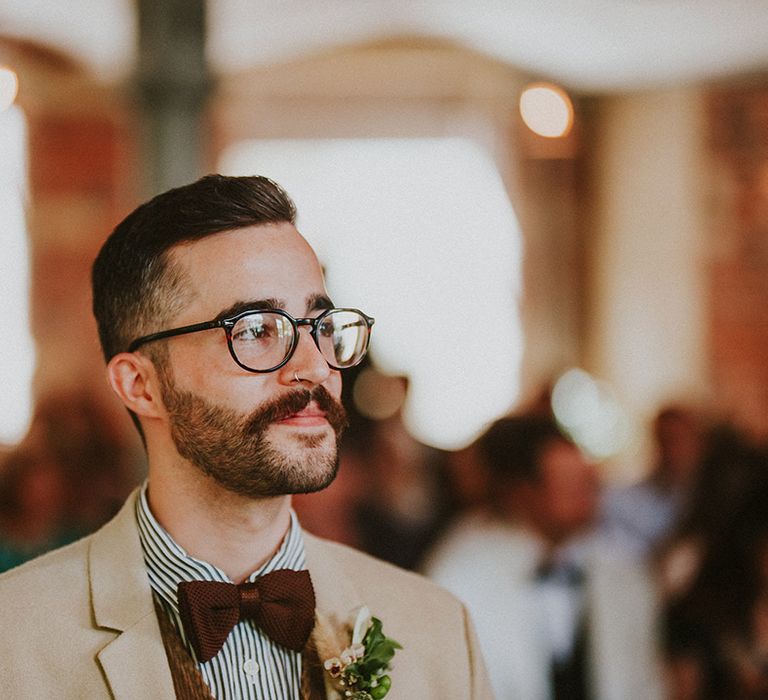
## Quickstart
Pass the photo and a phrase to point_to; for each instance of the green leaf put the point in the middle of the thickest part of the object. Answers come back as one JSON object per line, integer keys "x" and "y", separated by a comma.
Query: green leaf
{"x": 374, "y": 635}
{"x": 385, "y": 683}
{"x": 379, "y": 650}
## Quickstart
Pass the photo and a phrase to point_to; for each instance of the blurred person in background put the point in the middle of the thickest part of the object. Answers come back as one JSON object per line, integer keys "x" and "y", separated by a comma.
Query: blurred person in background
{"x": 730, "y": 468}
{"x": 405, "y": 501}
{"x": 68, "y": 477}
{"x": 714, "y": 572}
{"x": 558, "y": 613}
{"x": 401, "y": 497}
{"x": 100, "y": 464}
{"x": 333, "y": 512}
{"x": 640, "y": 516}
{"x": 33, "y": 506}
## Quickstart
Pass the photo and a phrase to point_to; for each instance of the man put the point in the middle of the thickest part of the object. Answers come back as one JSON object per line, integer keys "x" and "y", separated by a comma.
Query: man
{"x": 222, "y": 343}
{"x": 640, "y": 516}
{"x": 558, "y": 616}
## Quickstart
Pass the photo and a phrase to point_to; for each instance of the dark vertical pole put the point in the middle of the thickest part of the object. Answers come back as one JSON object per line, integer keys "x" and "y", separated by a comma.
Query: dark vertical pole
{"x": 173, "y": 86}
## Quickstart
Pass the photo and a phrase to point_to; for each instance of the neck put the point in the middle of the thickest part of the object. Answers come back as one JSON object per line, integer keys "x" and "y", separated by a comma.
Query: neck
{"x": 234, "y": 533}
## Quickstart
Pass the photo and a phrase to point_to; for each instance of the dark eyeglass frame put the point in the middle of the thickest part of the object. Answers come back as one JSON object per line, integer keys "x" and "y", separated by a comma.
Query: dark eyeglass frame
{"x": 229, "y": 323}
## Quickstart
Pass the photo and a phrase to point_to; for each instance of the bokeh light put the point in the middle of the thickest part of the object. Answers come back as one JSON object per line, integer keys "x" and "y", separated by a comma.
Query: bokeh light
{"x": 379, "y": 396}
{"x": 17, "y": 351}
{"x": 547, "y": 110}
{"x": 9, "y": 87}
{"x": 589, "y": 412}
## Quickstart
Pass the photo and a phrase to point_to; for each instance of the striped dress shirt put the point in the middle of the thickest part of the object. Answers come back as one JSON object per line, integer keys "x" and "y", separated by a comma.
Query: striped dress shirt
{"x": 250, "y": 665}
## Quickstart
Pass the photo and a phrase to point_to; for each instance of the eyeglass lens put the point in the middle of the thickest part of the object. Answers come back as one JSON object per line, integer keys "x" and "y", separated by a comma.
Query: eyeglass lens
{"x": 262, "y": 340}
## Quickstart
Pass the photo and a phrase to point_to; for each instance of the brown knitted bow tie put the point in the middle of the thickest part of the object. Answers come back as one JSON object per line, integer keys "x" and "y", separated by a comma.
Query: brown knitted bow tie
{"x": 280, "y": 603}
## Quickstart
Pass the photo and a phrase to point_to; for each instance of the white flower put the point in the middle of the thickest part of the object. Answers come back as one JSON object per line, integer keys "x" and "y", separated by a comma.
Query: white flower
{"x": 334, "y": 666}
{"x": 356, "y": 682}
{"x": 352, "y": 654}
{"x": 362, "y": 623}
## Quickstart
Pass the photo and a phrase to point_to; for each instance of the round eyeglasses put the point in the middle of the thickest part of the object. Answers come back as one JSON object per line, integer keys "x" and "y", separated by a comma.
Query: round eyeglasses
{"x": 264, "y": 340}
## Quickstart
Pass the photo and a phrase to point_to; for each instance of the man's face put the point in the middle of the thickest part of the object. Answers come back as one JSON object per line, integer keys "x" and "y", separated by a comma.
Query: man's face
{"x": 257, "y": 435}
{"x": 566, "y": 495}
{"x": 680, "y": 444}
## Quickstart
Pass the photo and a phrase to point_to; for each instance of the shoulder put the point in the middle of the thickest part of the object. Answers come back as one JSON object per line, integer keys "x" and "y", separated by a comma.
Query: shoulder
{"x": 51, "y": 592}
{"x": 409, "y": 605}
{"x": 379, "y": 579}
{"x": 440, "y": 658}
{"x": 67, "y": 566}
{"x": 618, "y": 574}
{"x": 49, "y": 645}
{"x": 630, "y": 500}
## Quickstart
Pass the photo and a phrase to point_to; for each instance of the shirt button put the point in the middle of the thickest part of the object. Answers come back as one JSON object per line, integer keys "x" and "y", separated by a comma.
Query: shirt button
{"x": 251, "y": 667}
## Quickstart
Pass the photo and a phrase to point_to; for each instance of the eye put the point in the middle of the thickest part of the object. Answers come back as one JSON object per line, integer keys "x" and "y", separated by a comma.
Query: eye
{"x": 327, "y": 328}
{"x": 252, "y": 333}
{"x": 254, "y": 329}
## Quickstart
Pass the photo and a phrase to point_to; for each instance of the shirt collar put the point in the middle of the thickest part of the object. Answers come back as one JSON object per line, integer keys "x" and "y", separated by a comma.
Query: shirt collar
{"x": 168, "y": 564}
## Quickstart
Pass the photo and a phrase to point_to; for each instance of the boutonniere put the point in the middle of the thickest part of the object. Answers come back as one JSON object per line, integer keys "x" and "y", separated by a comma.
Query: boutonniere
{"x": 359, "y": 672}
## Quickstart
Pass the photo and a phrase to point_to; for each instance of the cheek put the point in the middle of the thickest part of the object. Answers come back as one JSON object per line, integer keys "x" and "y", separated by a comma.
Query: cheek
{"x": 200, "y": 359}
{"x": 220, "y": 381}
{"x": 333, "y": 384}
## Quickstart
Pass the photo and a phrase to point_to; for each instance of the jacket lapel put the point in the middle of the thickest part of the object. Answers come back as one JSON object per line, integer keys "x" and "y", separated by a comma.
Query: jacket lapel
{"x": 337, "y": 602}
{"x": 335, "y": 596}
{"x": 134, "y": 662}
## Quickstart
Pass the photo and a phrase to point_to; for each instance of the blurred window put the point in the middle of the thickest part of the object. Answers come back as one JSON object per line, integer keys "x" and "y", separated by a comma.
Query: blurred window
{"x": 17, "y": 352}
{"x": 421, "y": 235}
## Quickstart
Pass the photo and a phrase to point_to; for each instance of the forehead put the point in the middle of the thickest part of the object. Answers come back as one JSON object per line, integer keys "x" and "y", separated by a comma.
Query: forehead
{"x": 256, "y": 262}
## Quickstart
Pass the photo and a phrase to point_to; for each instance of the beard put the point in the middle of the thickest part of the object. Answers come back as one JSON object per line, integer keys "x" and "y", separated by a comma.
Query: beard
{"x": 235, "y": 449}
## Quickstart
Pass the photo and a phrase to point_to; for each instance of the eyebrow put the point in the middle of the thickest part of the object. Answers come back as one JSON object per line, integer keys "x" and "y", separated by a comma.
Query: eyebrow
{"x": 315, "y": 302}
{"x": 318, "y": 302}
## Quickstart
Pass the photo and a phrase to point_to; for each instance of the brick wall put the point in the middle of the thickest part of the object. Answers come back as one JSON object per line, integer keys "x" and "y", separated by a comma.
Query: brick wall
{"x": 82, "y": 166}
{"x": 738, "y": 211}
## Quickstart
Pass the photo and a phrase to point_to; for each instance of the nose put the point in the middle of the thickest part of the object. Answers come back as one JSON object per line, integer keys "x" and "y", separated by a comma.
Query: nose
{"x": 307, "y": 362}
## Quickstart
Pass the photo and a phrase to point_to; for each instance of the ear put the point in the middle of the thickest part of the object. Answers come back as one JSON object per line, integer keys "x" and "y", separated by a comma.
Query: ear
{"x": 134, "y": 379}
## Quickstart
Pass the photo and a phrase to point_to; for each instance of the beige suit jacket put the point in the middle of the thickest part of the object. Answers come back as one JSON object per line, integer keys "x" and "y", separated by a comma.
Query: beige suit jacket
{"x": 80, "y": 623}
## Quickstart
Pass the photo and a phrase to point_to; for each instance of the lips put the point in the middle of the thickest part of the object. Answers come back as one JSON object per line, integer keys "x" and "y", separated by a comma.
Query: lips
{"x": 300, "y": 408}
{"x": 309, "y": 416}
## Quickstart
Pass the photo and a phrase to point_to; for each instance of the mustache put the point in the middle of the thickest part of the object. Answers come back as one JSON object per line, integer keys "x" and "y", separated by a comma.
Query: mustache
{"x": 288, "y": 404}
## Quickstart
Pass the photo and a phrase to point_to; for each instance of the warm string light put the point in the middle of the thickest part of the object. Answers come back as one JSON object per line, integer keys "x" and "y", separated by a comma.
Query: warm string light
{"x": 547, "y": 110}
{"x": 9, "y": 87}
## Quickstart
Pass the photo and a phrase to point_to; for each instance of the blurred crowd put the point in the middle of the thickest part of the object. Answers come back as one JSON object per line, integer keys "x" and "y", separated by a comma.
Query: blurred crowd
{"x": 579, "y": 588}
{"x": 66, "y": 478}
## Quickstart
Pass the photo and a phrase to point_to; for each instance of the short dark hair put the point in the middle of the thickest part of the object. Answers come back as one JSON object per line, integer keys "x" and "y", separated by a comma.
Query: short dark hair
{"x": 135, "y": 288}
{"x": 511, "y": 448}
